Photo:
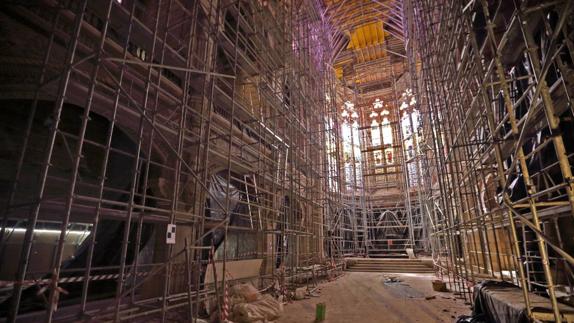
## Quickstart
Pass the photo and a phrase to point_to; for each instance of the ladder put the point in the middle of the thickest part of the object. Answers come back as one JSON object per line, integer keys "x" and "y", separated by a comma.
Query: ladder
{"x": 245, "y": 181}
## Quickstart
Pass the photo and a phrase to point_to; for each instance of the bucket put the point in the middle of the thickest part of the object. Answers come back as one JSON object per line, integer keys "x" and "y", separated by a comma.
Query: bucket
{"x": 439, "y": 286}
{"x": 320, "y": 312}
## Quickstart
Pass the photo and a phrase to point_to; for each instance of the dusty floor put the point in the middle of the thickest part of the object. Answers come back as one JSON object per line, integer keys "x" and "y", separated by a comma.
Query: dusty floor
{"x": 364, "y": 297}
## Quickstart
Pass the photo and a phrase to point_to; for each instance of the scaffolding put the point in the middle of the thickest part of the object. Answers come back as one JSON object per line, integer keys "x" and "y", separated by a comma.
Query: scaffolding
{"x": 393, "y": 217}
{"x": 494, "y": 81}
{"x": 158, "y": 144}
{"x": 154, "y": 153}
{"x": 380, "y": 159}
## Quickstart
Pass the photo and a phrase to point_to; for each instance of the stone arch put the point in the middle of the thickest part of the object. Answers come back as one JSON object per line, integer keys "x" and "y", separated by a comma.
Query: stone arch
{"x": 117, "y": 182}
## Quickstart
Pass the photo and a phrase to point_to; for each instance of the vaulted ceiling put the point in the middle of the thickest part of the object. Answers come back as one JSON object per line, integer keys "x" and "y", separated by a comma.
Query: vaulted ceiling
{"x": 369, "y": 45}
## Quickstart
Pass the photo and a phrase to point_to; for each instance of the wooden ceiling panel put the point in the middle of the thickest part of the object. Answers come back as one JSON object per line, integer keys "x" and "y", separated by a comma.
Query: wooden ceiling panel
{"x": 374, "y": 55}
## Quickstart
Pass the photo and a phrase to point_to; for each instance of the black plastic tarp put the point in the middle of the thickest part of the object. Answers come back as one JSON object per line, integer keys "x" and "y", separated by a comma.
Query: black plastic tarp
{"x": 499, "y": 302}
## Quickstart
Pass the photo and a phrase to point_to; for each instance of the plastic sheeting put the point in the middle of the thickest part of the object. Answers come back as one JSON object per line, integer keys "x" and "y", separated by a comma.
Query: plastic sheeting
{"x": 218, "y": 189}
{"x": 498, "y": 302}
{"x": 217, "y": 202}
{"x": 218, "y": 196}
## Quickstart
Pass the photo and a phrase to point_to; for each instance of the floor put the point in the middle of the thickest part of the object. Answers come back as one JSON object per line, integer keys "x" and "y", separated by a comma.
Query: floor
{"x": 365, "y": 297}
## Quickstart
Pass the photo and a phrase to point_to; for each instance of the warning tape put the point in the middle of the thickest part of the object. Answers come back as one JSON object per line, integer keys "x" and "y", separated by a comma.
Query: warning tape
{"x": 225, "y": 307}
{"x": 5, "y": 284}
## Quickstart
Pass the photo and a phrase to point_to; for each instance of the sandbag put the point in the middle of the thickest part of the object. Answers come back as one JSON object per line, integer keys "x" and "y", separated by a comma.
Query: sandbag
{"x": 245, "y": 292}
{"x": 300, "y": 293}
{"x": 265, "y": 308}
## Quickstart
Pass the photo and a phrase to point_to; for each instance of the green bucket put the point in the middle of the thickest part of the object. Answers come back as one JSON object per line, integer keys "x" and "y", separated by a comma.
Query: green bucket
{"x": 320, "y": 312}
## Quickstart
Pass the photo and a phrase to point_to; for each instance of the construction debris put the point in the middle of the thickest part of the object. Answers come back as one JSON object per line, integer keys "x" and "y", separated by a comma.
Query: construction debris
{"x": 300, "y": 293}
{"x": 391, "y": 279}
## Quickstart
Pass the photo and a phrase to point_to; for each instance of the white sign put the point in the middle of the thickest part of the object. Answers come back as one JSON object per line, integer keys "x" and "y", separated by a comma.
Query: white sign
{"x": 170, "y": 234}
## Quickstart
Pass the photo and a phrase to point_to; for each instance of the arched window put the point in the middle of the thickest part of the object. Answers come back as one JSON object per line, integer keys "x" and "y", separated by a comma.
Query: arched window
{"x": 331, "y": 149}
{"x": 352, "y": 153}
{"x": 410, "y": 122}
{"x": 376, "y": 142}
{"x": 387, "y": 132}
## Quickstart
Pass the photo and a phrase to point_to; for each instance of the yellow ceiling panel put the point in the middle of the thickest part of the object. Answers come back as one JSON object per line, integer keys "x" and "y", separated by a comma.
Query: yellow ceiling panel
{"x": 367, "y": 35}
{"x": 339, "y": 72}
{"x": 381, "y": 32}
